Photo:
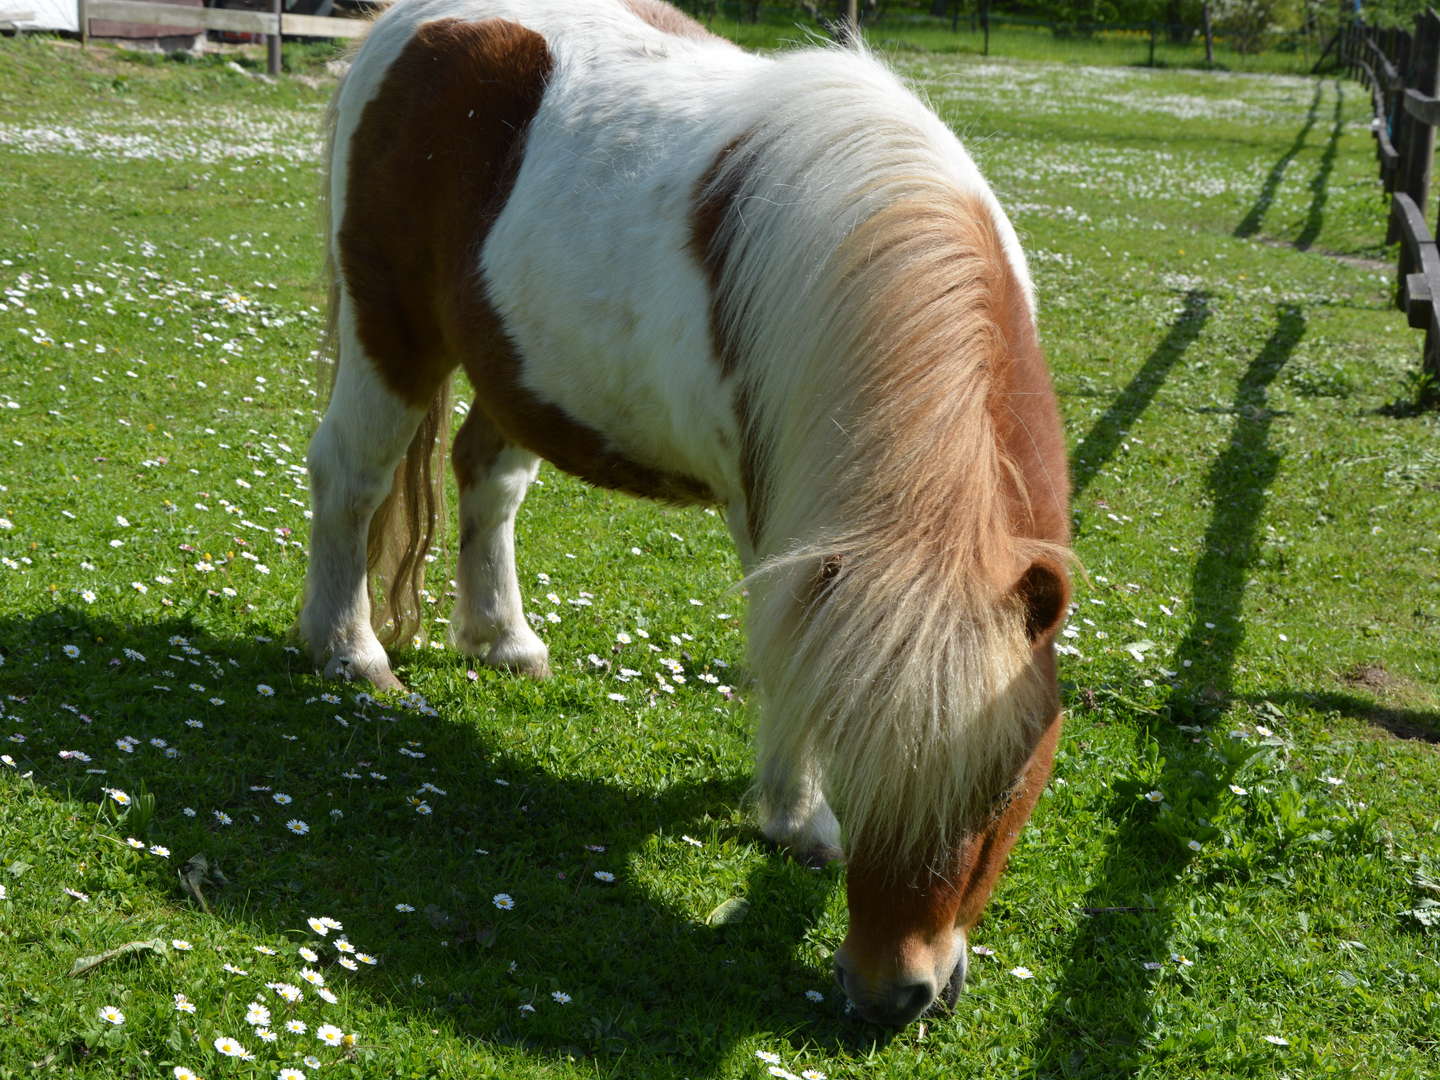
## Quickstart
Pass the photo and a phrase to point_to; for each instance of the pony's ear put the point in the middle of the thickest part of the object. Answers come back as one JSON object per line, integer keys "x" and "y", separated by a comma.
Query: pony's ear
{"x": 1044, "y": 589}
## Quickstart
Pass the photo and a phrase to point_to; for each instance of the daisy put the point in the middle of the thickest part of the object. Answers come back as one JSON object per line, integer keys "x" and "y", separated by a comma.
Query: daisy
{"x": 320, "y": 926}
{"x": 812, "y": 1074}
{"x": 223, "y": 818}
{"x": 1193, "y": 845}
{"x": 366, "y": 958}
{"x": 767, "y": 1057}
{"x": 347, "y": 963}
{"x": 814, "y": 995}
{"x": 182, "y": 1073}
{"x": 310, "y": 1061}
{"x": 180, "y": 945}
{"x": 327, "y": 996}
{"x": 298, "y": 827}
{"x": 265, "y": 691}
{"x": 110, "y": 1014}
{"x": 1155, "y": 796}
{"x": 71, "y": 651}
{"x": 309, "y": 954}
{"x": 1276, "y": 1040}
{"x": 503, "y": 901}
{"x": 121, "y": 799}
{"x": 561, "y": 998}
{"x": 342, "y": 945}
{"x": 139, "y": 845}
{"x": 287, "y": 991}
{"x": 281, "y": 798}
{"x": 229, "y": 1047}
{"x": 257, "y": 1015}
{"x": 290, "y": 1074}
{"x": 264, "y": 1034}
{"x": 329, "y": 1034}
{"x": 527, "y": 1009}
{"x": 404, "y": 908}
{"x": 161, "y": 850}
{"x": 604, "y": 875}
{"x": 233, "y": 970}
{"x": 1022, "y": 973}
{"x": 184, "y": 1004}
{"x": 263, "y": 950}
{"x": 295, "y": 1027}
{"x": 313, "y": 977}
{"x": 331, "y": 924}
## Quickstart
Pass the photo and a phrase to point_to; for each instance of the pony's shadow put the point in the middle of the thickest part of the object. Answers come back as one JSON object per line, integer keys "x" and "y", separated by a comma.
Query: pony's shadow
{"x": 651, "y": 982}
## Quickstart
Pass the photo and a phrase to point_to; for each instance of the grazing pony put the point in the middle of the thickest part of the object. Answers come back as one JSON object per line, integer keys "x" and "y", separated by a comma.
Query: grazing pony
{"x": 778, "y": 284}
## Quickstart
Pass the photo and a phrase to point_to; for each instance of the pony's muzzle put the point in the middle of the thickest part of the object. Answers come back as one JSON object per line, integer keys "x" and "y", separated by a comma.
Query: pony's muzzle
{"x": 895, "y": 1002}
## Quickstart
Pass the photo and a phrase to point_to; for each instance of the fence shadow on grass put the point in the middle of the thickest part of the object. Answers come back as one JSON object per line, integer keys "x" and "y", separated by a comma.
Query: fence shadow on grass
{"x": 1098, "y": 445}
{"x": 1320, "y": 183}
{"x": 1250, "y": 223}
{"x": 1100, "y": 1019}
{"x": 650, "y": 982}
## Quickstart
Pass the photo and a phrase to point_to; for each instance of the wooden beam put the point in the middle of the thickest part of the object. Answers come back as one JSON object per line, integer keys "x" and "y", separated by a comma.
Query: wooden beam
{"x": 140, "y": 11}
{"x": 322, "y": 26}
{"x": 1422, "y": 108}
{"x": 243, "y": 22}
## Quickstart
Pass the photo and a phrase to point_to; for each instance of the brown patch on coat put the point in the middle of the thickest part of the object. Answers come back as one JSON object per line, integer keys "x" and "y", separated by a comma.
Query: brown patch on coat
{"x": 432, "y": 164}
{"x": 669, "y": 19}
{"x": 715, "y": 194}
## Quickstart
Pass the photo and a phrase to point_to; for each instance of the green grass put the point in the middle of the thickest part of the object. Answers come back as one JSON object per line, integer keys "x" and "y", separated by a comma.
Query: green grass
{"x": 1018, "y": 39}
{"x": 1255, "y": 505}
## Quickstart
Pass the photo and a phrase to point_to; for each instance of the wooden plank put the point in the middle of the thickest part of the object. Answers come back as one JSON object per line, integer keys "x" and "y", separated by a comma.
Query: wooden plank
{"x": 322, "y": 26}
{"x": 1385, "y": 68}
{"x": 1422, "y": 108}
{"x": 141, "y": 11}
{"x": 1419, "y": 262}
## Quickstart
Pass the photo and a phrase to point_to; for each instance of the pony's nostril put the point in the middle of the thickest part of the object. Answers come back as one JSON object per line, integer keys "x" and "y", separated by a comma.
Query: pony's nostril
{"x": 911, "y": 1001}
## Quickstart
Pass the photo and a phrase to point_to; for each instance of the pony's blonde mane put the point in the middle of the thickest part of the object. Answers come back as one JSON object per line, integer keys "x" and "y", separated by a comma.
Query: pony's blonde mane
{"x": 870, "y": 314}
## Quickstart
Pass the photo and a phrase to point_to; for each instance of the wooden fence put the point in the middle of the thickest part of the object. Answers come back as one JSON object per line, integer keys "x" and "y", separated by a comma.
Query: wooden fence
{"x": 273, "y": 24}
{"x": 1402, "y": 70}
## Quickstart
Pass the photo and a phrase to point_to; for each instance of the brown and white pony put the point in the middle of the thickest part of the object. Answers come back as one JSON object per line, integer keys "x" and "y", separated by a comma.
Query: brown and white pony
{"x": 778, "y": 284}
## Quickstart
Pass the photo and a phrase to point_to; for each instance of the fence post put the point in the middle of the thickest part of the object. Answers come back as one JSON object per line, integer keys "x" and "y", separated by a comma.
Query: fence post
{"x": 1153, "y": 25}
{"x": 985, "y": 24}
{"x": 1209, "y": 35}
{"x": 1415, "y": 141}
{"x": 82, "y": 9}
{"x": 272, "y": 41}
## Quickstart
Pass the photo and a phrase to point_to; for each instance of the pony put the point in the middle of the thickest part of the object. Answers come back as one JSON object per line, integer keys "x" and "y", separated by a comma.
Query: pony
{"x": 775, "y": 284}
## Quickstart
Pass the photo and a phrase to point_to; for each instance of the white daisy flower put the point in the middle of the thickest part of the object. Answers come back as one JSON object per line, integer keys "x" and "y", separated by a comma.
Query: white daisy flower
{"x": 111, "y": 1015}
{"x": 329, "y": 1034}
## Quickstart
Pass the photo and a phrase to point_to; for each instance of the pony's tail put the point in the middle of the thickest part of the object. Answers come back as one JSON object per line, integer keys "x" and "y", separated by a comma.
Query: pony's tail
{"x": 404, "y": 527}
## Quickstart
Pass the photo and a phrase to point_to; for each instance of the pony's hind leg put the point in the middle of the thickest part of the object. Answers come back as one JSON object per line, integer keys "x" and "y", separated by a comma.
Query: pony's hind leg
{"x": 493, "y": 476}
{"x": 352, "y": 462}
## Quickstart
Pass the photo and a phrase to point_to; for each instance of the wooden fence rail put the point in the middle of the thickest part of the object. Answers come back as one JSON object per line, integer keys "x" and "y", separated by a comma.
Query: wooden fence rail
{"x": 1402, "y": 70}
{"x": 273, "y": 24}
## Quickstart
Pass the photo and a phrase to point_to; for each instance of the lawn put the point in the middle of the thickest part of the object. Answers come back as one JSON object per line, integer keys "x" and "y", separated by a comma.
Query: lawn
{"x": 1230, "y": 874}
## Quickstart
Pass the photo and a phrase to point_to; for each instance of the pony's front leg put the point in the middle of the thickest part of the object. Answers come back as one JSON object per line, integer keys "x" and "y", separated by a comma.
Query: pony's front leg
{"x": 490, "y": 616}
{"x": 352, "y": 463}
{"x": 793, "y": 812}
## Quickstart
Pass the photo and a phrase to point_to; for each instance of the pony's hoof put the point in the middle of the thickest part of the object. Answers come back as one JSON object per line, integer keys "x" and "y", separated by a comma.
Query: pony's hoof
{"x": 530, "y": 658}
{"x": 817, "y": 858}
{"x": 352, "y": 669}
